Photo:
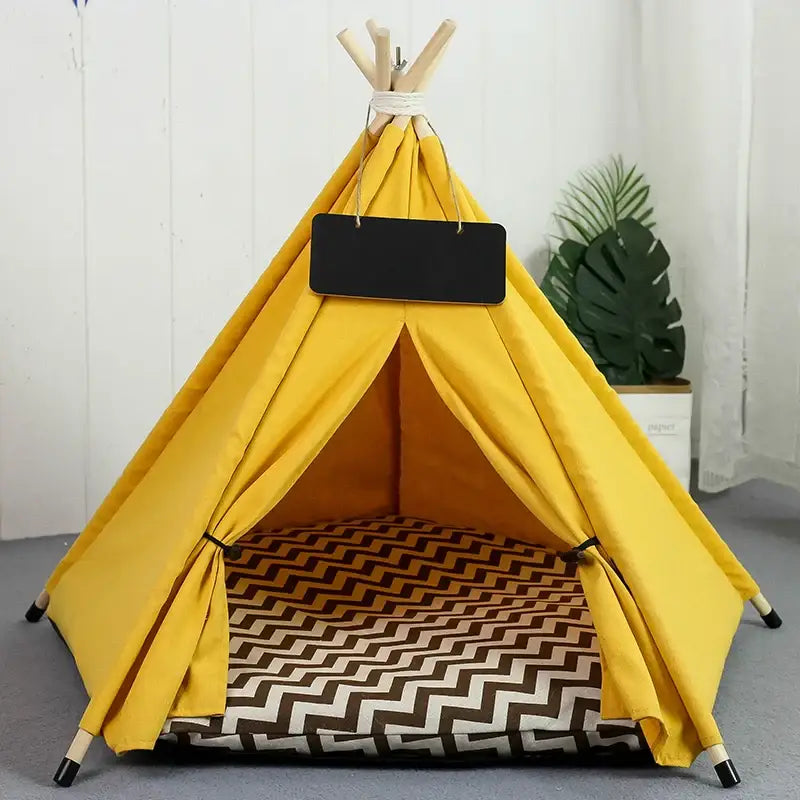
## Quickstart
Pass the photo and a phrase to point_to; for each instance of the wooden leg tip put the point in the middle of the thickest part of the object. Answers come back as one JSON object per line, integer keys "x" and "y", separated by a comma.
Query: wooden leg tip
{"x": 772, "y": 620}
{"x": 34, "y": 613}
{"x": 727, "y": 774}
{"x": 66, "y": 772}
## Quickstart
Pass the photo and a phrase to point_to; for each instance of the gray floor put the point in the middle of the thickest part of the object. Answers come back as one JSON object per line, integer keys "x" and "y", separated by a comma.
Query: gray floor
{"x": 758, "y": 708}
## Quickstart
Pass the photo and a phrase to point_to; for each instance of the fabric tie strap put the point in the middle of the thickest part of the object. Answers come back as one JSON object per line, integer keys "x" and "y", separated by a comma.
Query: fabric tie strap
{"x": 232, "y": 551}
{"x": 578, "y": 554}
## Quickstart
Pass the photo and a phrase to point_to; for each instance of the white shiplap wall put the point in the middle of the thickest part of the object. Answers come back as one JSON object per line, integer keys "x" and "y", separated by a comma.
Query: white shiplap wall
{"x": 157, "y": 152}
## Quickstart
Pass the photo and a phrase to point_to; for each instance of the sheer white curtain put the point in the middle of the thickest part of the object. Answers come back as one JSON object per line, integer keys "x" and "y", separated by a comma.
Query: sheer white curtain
{"x": 718, "y": 85}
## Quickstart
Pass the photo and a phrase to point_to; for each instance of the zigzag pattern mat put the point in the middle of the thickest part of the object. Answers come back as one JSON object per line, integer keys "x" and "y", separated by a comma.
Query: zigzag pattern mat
{"x": 398, "y": 636}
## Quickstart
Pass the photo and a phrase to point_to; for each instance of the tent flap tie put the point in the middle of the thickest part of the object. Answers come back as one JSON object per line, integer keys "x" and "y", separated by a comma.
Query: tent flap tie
{"x": 578, "y": 553}
{"x": 231, "y": 551}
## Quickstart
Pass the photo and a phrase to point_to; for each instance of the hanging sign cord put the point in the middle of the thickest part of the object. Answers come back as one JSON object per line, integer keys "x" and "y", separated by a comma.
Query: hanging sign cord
{"x": 361, "y": 167}
{"x": 401, "y": 104}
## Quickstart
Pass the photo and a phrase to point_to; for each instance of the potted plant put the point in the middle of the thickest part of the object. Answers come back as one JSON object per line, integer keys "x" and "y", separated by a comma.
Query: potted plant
{"x": 608, "y": 281}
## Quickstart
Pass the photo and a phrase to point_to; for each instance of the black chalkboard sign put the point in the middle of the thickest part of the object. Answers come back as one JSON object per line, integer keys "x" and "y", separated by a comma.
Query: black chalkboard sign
{"x": 408, "y": 259}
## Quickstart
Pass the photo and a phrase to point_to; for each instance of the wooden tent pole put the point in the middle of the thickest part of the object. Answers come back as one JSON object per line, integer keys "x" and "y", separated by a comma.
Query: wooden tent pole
{"x": 421, "y": 125}
{"x": 768, "y": 613}
{"x": 71, "y": 763}
{"x": 723, "y": 766}
{"x": 383, "y": 51}
{"x": 372, "y": 30}
{"x": 38, "y": 607}
{"x": 348, "y": 40}
{"x": 409, "y": 81}
{"x": 383, "y": 60}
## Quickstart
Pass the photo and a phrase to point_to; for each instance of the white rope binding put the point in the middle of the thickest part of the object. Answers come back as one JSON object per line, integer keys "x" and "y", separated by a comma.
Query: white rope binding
{"x": 399, "y": 104}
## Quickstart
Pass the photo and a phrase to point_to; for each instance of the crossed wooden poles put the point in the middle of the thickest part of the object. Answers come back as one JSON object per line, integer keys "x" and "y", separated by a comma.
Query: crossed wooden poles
{"x": 383, "y": 76}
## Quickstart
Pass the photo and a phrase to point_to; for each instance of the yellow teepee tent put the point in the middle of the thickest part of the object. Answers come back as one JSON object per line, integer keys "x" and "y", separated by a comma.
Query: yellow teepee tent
{"x": 309, "y": 408}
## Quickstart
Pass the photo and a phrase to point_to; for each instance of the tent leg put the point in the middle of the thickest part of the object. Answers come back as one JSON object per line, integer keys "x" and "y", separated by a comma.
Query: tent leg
{"x": 38, "y": 607}
{"x": 723, "y": 766}
{"x": 768, "y": 613}
{"x": 71, "y": 762}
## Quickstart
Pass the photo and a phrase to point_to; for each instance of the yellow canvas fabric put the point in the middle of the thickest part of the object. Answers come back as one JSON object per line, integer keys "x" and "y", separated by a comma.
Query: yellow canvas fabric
{"x": 433, "y": 410}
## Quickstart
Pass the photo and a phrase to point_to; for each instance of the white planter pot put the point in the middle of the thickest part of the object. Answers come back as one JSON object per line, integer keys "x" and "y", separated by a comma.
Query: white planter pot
{"x": 664, "y": 413}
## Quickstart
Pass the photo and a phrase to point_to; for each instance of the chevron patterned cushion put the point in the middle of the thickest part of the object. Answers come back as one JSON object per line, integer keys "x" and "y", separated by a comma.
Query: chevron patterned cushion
{"x": 399, "y": 636}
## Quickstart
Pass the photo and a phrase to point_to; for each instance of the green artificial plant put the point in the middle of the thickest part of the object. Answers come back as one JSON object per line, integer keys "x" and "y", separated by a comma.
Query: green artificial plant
{"x": 601, "y": 197}
{"x": 610, "y": 282}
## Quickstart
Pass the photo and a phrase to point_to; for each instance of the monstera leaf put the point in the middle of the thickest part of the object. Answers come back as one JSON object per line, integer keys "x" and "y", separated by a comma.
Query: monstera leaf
{"x": 558, "y": 284}
{"x": 621, "y": 299}
{"x": 558, "y": 287}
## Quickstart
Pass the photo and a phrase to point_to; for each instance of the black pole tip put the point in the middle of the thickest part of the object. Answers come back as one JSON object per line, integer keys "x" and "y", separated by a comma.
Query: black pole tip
{"x": 34, "y": 613}
{"x": 66, "y": 772}
{"x": 727, "y": 774}
{"x": 772, "y": 620}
